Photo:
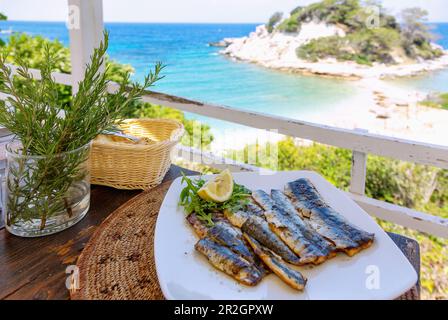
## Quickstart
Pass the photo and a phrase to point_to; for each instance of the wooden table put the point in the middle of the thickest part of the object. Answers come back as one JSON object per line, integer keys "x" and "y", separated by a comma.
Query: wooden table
{"x": 35, "y": 268}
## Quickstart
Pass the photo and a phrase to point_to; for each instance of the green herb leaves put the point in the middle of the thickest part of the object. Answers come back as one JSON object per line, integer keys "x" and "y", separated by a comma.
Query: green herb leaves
{"x": 204, "y": 209}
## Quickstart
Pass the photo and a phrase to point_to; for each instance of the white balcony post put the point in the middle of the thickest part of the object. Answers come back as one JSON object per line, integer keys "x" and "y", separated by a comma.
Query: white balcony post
{"x": 85, "y": 25}
{"x": 358, "y": 171}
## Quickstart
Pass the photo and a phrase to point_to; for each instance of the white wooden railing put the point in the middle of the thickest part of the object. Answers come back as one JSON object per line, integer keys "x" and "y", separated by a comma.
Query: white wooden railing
{"x": 85, "y": 38}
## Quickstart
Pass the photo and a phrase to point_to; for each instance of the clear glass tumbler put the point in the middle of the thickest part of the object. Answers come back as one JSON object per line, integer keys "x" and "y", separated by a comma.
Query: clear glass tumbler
{"x": 45, "y": 194}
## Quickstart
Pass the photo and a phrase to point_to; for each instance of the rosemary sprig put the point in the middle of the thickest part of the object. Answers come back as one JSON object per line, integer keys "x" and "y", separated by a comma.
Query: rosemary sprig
{"x": 46, "y": 127}
{"x": 205, "y": 209}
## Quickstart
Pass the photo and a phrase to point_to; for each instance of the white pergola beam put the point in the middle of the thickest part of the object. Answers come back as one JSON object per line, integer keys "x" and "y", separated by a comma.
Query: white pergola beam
{"x": 86, "y": 27}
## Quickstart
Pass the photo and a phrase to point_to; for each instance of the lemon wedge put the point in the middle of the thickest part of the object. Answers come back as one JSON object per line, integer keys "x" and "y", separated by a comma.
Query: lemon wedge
{"x": 218, "y": 189}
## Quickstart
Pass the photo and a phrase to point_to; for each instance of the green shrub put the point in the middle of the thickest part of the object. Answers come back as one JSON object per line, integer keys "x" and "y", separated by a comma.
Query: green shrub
{"x": 291, "y": 24}
{"x": 360, "y": 59}
{"x": 296, "y": 10}
{"x": 364, "y": 47}
{"x": 439, "y": 100}
{"x": 389, "y": 180}
{"x": 273, "y": 20}
{"x": 444, "y": 100}
{"x": 322, "y": 48}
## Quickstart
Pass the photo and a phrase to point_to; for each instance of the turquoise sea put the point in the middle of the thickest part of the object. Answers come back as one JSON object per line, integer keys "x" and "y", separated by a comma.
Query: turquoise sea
{"x": 196, "y": 70}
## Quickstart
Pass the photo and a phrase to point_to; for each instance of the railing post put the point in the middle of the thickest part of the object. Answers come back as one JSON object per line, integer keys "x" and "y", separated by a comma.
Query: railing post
{"x": 86, "y": 31}
{"x": 358, "y": 171}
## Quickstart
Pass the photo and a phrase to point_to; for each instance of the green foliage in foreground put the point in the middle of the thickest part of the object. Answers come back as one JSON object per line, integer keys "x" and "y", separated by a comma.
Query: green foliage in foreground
{"x": 421, "y": 187}
{"x": 368, "y": 38}
{"x": 31, "y": 49}
{"x": 390, "y": 180}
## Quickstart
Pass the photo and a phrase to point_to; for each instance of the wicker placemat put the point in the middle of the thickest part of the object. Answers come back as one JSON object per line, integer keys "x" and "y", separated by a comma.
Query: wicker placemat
{"x": 118, "y": 261}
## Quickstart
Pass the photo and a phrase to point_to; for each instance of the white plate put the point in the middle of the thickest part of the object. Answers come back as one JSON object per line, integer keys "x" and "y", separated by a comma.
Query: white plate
{"x": 379, "y": 272}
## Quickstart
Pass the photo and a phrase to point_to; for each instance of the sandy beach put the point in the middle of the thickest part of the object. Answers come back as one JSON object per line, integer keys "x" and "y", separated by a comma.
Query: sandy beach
{"x": 386, "y": 109}
{"x": 379, "y": 107}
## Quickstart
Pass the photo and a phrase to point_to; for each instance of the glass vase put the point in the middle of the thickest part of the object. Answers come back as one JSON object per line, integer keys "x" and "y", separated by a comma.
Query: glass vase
{"x": 45, "y": 194}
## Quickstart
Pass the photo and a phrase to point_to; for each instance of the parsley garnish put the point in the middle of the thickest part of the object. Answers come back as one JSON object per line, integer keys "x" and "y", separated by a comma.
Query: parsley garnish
{"x": 204, "y": 209}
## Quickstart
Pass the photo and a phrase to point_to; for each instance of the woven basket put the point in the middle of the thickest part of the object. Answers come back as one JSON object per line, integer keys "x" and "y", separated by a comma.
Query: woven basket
{"x": 136, "y": 166}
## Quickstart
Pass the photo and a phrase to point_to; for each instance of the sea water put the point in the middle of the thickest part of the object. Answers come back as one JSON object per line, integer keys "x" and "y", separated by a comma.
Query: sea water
{"x": 196, "y": 70}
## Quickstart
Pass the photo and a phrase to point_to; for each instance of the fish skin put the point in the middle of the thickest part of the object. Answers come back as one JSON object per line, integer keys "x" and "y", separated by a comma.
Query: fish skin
{"x": 239, "y": 217}
{"x": 199, "y": 227}
{"x": 255, "y": 208}
{"x": 281, "y": 200}
{"x": 227, "y": 235}
{"x": 263, "y": 199}
{"x": 258, "y": 229}
{"x": 303, "y": 201}
{"x": 292, "y": 230}
{"x": 290, "y": 276}
{"x": 224, "y": 259}
{"x": 325, "y": 220}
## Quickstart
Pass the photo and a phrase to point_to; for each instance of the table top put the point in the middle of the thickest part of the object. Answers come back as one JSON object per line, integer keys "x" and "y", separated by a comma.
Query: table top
{"x": 35, "y": 268}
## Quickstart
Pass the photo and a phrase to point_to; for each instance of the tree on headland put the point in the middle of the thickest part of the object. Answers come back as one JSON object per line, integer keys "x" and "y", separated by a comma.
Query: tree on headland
{"x": 415, "y": 31}
{"x": 273, "y": 20}
{"x": 414, "y": 22}
{"x": 296, "y": 10}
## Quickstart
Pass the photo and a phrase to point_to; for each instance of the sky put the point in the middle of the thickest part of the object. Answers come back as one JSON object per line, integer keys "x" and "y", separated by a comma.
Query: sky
{"x": 233, "y": 11}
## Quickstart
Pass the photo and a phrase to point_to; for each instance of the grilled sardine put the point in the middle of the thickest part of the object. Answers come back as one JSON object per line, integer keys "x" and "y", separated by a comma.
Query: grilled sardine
{"x": 292, "y": 230}
{"x": 290, "y": 276}
{"x": 281, "y": 200}
{"x": 258, "y": 229}
{"x": 325, "y": 220}
{"x": 227, "y": 261}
